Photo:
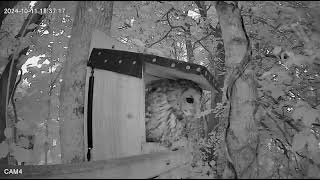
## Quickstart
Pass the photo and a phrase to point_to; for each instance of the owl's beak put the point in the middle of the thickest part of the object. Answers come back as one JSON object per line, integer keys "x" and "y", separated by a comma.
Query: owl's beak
{"x": 180, "y": 117}
{"x": 203, "y": 113}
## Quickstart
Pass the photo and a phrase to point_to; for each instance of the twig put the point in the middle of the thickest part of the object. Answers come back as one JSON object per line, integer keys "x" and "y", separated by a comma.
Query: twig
{"x": 310, "y": 160}
{"x": 205, "y": 48}
{"x": 171, "y": 28}
{"x": 199, "y": 40}
{"x": 165, "y": 36}
{"x": 283, "y": 133}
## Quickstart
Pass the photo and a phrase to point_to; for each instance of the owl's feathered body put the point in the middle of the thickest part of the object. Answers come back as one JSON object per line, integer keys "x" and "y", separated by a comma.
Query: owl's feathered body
{"x": 170, "y": 104}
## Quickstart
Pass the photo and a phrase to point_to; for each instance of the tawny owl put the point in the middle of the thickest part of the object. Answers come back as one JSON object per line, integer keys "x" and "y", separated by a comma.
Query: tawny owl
{"x": 170, "y": 104}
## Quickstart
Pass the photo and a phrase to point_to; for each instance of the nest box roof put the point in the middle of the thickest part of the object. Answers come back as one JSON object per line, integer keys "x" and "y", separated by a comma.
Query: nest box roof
{"x": 154, "y": 67}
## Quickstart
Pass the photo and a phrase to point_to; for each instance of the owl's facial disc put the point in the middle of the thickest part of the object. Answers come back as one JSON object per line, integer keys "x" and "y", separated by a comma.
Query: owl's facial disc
{"x": 190, "y": 102}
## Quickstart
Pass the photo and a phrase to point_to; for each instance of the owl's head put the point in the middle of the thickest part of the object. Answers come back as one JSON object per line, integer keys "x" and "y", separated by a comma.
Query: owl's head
{"x": 189, "y": 102}
{"x": 183, "y": 96}
{"x": 187, "y": 99}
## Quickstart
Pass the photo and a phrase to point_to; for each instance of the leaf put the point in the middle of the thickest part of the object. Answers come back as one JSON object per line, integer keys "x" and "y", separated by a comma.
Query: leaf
{"x": 313, "y": 172}
{"x": 316, "y": 156}
{"x": 276, "y": 92}
{"x": 3, "y": 60}
{"x": 23, "y": 142}
{"x": 303, "y": 111}
{"x": 8, "y": 132}
{"x": 298, "y": 59}
{"x": 21, "y": 154}
{"x": 276, "y": 50}
{"x": 32, "y": 26}
{"x": 313, "y": 143}
{"x": 299, "y": 141}
{"x": 204, "y": 113}
{"x": 310, "y": 117}
{"x": 4, "y": 149}
{"x": 26, "y": 127}
{"x": 138, "y": 42}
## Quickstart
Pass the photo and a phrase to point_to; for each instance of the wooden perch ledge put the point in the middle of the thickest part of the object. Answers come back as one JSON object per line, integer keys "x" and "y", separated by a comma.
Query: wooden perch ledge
{"x": 140, "y": 166}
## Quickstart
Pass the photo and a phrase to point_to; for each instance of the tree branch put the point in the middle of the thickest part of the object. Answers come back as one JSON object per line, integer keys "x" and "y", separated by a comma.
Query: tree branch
{"x": 171, "y": 27}
{"x": 197, "y": 41}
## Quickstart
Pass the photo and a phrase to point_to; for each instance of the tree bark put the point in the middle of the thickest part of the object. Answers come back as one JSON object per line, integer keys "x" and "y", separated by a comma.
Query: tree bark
{"x": 90, "y": 15}
{"x": 190, "y": 55}
{"x": 241, "y": 137}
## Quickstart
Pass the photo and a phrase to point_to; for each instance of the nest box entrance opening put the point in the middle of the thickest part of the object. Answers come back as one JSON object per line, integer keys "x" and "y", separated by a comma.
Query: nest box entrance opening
{"x": 115, "y": 97}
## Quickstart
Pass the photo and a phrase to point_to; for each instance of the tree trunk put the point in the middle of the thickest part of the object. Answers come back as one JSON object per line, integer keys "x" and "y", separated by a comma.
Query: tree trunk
{"x": 241, "y": 139}
{"x": 190, "y": 55}
{"x": 90, "y": 15}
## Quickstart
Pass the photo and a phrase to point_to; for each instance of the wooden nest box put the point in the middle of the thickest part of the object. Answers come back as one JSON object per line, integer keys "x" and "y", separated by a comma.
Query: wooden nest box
{"x": 115, "y": 102}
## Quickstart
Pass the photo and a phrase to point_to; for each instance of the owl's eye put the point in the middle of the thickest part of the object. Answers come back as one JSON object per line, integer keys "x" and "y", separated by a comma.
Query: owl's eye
{"x": 189, "y": 100}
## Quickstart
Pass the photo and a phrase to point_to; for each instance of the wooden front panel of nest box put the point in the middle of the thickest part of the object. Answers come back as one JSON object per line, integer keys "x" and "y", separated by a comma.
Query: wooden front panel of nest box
{"x": 118, "y": 127}
{"x": 117, "y": 115}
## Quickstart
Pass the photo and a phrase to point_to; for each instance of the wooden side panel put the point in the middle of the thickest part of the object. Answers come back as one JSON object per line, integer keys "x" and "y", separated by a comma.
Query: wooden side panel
{"x": 118, "y": 115}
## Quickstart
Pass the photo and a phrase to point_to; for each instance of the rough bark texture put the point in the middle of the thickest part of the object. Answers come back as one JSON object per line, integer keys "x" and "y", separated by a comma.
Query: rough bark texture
{"x": 90, "y": 15}
{"x": 241, "y": 139}
{"x": 189, "y": 47}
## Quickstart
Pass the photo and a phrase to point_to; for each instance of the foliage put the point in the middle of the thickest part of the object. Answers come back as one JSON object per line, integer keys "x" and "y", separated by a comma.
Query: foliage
{"x": 286, "y": 63}
{"x": 285, "y": 39}
{"x": 287, "y": 69}
{"x": 37, "y": 96}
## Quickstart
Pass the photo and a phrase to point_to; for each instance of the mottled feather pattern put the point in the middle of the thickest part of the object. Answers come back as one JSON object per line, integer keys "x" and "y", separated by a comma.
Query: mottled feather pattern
{"x": 169, "y": 105}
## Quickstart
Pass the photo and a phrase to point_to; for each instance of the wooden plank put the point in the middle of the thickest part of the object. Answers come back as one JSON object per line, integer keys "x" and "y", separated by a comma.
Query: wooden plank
{"x": 142, "y": 166}
{"x": 118, "y": 115}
